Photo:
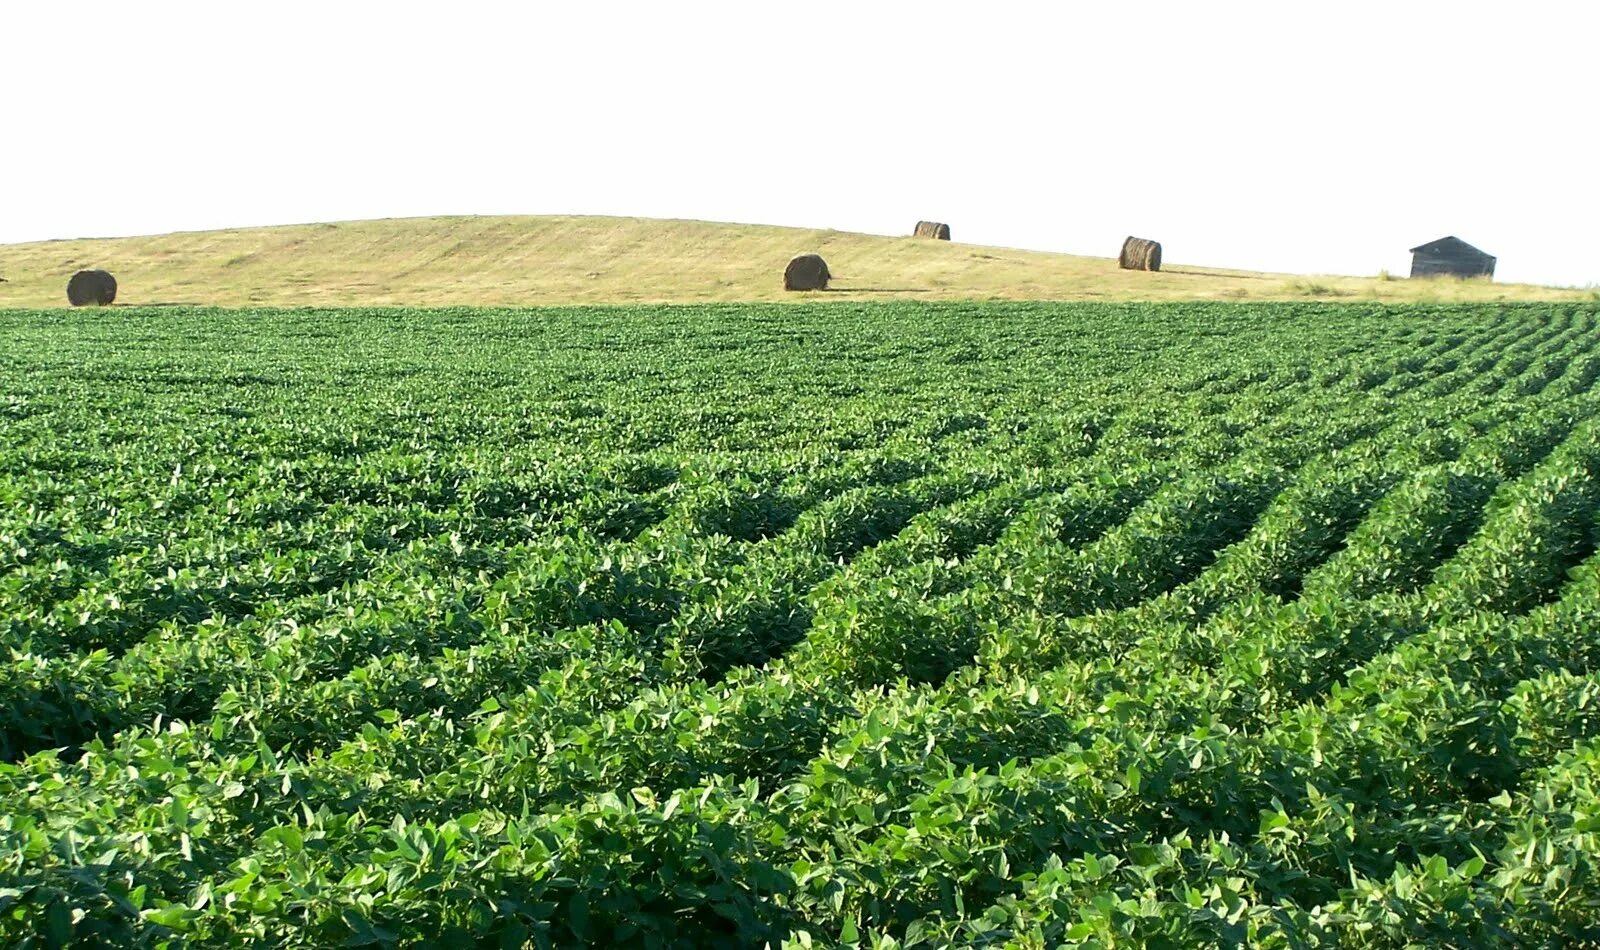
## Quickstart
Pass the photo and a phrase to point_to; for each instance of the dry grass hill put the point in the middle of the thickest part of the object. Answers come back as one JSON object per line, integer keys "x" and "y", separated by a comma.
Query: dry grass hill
{"x": 587, "y": 260}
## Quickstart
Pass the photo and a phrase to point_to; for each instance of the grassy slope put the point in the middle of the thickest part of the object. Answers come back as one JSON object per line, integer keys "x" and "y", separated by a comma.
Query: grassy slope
{"x": 547, "y": 260}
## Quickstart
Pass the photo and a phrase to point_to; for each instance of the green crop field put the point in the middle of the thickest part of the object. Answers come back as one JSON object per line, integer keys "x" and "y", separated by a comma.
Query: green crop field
{"x": 879, "y": 624}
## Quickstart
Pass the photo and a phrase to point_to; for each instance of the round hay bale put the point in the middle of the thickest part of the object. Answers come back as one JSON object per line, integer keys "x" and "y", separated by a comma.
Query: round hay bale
{"x": 806, "y": 272}
{"x": 1139, "y": 254}
{"x": 91, "y": 288}
{"x": 932, "y": 229}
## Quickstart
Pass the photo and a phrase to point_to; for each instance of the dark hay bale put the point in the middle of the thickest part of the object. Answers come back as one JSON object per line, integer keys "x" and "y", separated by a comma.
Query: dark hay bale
{"x": 91, "y": 288}
{"x": 806, "y": 272}
{"x": 1139, "y": 254}
{"x": 932, "y": 229}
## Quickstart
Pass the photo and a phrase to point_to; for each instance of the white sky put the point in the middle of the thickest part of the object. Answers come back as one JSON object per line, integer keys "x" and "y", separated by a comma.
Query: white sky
{"x": 1324, "y": 138}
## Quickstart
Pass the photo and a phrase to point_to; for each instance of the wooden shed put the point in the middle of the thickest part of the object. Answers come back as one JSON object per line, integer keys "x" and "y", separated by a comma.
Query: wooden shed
{"x": 1451, "y": 256}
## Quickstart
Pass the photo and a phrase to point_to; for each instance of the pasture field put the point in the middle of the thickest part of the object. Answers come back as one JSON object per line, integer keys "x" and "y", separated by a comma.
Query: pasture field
{"x": 888, "y": 624}
{"x": 577, "y": 259}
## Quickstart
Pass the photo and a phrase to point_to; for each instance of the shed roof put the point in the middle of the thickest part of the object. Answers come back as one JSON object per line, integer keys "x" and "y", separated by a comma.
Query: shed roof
{"x": 1451, "y": 244}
